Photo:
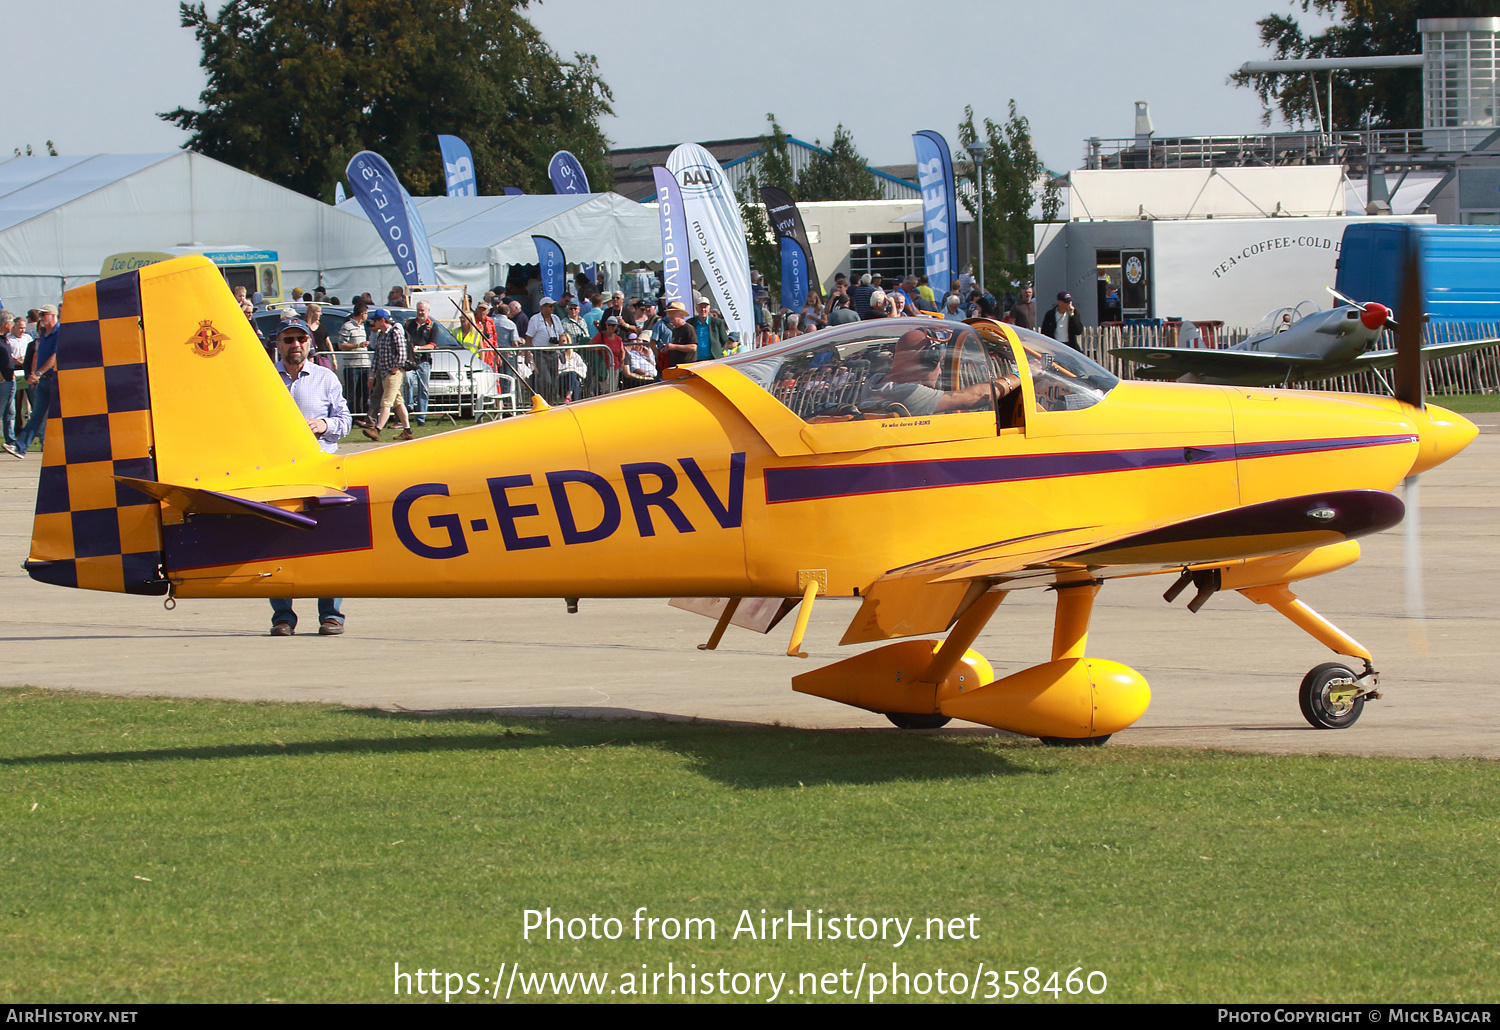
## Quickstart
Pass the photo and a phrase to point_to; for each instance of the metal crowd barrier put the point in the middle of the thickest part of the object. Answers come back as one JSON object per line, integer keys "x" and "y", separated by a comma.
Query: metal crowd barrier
{"x": 522, "y": 371}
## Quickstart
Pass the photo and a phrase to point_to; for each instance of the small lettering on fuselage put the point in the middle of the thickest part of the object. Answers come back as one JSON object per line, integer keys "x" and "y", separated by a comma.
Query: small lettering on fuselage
{"x": 648, "y": 485}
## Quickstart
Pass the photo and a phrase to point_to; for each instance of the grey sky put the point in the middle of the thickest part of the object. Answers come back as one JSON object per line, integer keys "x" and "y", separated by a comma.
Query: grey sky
{"x": 99, "y": 71}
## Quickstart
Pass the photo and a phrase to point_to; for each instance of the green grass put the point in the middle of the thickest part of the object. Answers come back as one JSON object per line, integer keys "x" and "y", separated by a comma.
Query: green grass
{"x": 165, "y": 850}
{"x": 1465, "y": 403}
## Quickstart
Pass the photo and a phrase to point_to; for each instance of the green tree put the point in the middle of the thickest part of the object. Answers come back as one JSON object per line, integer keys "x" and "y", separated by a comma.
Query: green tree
{"x": 774, "y": 169}
{"x": 295, "y": 89}
{"x": 1380, "y": 98}
{"x": 51, "y": 150}
{"x": 839, "y": 173}
{"x": 1015, "y": 180}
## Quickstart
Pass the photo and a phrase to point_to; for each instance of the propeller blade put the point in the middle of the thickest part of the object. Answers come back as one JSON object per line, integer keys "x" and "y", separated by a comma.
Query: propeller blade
{"x": 1347, "y": 300}
{"x": 1416, "y": 614}
{"x": 1408, "y": 371}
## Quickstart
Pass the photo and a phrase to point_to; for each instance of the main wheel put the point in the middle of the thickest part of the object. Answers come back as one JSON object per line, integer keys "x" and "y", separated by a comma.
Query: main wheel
{"x": 914, "y": 721}
{"x": 1327, "y": 697}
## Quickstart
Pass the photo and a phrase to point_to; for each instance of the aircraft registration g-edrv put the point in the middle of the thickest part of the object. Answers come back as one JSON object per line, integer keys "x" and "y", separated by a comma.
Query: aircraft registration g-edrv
{"x": 924, "y": 467}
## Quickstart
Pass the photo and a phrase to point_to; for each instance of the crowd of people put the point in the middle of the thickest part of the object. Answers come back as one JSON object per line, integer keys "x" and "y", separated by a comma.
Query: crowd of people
{"x": 28, "y": 362}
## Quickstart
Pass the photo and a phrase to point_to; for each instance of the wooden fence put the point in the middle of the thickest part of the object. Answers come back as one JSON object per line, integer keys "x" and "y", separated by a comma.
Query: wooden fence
{"x": 1475, "y": 372}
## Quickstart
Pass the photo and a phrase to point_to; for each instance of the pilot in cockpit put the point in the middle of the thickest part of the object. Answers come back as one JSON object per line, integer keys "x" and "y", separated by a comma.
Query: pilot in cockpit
{"x": 912, "y": 382}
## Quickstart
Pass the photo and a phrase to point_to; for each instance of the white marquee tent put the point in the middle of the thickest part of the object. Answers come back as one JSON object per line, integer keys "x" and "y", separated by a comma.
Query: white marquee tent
{"x": 61, "y": 216}
{"x": 475, "y": 240}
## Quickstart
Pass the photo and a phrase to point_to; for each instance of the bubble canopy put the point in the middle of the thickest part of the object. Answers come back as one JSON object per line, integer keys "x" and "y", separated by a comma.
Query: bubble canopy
{"x": 917, "y": 367}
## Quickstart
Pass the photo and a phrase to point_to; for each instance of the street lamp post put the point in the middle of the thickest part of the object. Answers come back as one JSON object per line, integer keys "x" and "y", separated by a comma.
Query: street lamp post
{"x": 979, "y": 151}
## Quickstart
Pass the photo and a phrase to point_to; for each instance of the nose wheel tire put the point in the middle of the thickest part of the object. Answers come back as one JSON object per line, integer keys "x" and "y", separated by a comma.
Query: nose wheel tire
{"x": 1330, "y": 697}
{"x": 914, "y": 721}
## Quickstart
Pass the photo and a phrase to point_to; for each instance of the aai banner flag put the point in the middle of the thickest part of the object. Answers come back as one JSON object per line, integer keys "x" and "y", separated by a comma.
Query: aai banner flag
{"x": 379, "y": 192}
{"x": 458, "y": 167}
{"x": 716, "y": 236}
{"x": 566, "y": 173}
{"x": 675, "y": 262}
{"x": 554, "y": 267}
{"x": 939, "y": 209}
{"x": 514, "y": 191}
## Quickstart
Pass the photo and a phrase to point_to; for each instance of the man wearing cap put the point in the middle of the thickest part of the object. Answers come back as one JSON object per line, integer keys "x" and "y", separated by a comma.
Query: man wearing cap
{"x": 320, "y": 398}
{"x": 388, "y": 341}
{"x": 7, "y": 386}
{"x": 42, "y": 374}
{"x": 683, "y": 346}
{"x": 1062, "y": 322}
{"x": 712, "y": 334}
{"x": 545, "y": 329}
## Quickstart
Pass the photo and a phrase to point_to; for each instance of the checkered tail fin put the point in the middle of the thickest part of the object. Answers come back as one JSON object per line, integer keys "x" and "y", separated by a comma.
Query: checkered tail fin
{"x": 160, "y": 377}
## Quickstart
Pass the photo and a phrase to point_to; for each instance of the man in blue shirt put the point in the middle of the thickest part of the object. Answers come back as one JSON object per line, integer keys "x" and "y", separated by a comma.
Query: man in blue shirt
{"x": 712, "y": 333}
{"x": 43, "y": 376}
{"x": 320, "y": 398}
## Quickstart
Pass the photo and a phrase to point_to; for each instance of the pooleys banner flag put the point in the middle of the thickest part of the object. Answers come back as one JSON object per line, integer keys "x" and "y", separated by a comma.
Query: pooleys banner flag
{"x": 715, "y": 233}
{"x": 379, "y": 192}
{"x": 458, "y": 167}
{"x": 566, "y": 173}
{"x": 675, "y": 262}
{"x": 798, "y": 274}
{"x": 939, "y": 209}
{"x": 554, "y": 267}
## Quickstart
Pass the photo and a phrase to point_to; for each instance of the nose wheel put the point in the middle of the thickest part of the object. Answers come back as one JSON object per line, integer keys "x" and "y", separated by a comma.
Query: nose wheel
{"x": 1332, "y": 696}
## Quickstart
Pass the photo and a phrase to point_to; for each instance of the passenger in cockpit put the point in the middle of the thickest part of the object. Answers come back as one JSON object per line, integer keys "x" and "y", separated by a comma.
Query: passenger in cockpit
{"x": 912, "y": 382}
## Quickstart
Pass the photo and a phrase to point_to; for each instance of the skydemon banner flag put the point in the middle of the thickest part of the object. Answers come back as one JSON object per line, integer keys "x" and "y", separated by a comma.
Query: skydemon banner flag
{"x": 675, "y": 262}
{"x": 716, "y": 235}
{"x": 786, "y": 220}
{"x": 566, "y": 173}
{"x": 939, "y": 209}
{"x": 379, "y": 192}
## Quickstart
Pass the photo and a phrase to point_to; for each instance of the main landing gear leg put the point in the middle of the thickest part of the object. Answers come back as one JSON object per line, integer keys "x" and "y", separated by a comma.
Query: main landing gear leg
{"x": 1332, "y": 696}
{"x": 1070, "y": 637}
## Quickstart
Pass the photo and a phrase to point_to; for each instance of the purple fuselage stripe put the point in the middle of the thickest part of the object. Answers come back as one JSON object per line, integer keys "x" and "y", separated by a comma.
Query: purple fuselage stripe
{"x": 808, "y": 483}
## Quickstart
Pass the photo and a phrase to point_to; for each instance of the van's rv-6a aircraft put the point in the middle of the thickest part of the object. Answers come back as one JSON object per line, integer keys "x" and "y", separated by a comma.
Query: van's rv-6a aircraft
{"x": 924, "y": 467}
{"x": 1294, "y": 348}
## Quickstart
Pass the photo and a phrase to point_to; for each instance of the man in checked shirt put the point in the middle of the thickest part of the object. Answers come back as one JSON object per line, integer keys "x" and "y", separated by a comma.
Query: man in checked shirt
{"x": 388, "y": 341}
{"x": 320, "y": 398}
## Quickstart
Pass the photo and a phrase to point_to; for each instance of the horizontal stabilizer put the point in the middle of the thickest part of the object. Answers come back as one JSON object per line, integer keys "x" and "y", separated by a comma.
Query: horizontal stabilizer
{"x": 261, "y": 501}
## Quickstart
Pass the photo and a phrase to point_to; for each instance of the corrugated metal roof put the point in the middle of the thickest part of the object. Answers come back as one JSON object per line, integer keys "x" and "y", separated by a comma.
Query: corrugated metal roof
{"x": 32, "y": 186}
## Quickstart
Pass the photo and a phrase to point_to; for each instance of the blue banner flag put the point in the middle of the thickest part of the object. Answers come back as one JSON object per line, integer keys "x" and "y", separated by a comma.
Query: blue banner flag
{"x": 554, "y": 267}
{"x": 379, "y": 192}
{"x": 590, "y": 270}
{"x": 794, "y": 280}
{"x": 566, "y": 174}
{"x": 338, "y": 194}
{"x": 939, "y": 209}
{"x": 514, "y": 191}
{"x": 675, "y": 263}
{"x": 458, "y": 167}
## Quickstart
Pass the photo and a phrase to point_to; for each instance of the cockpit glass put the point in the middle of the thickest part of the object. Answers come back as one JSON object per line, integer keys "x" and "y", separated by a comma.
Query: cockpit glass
{"x": 1063, "y": 379}
{"x": 885, "y": 368}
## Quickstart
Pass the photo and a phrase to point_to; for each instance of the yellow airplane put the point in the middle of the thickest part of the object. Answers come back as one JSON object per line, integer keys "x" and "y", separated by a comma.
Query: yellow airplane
{"x": 923, "y": 467}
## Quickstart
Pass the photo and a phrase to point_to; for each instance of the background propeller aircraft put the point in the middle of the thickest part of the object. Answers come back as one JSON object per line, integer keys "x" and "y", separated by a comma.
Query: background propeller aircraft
{"x": 924, "y": 468}
{"x": 1294, "y": 348}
